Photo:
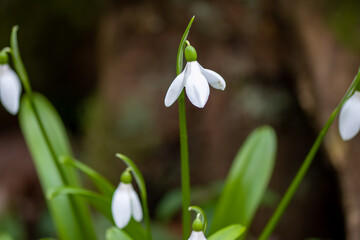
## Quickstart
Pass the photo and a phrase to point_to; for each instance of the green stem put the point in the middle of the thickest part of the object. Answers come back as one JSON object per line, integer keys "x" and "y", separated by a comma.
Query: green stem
{"x": 185, "y": 175}
{"x": 184, "y": 152}
{"x": 19, "y": 66}
{"x": 270, "y": 226}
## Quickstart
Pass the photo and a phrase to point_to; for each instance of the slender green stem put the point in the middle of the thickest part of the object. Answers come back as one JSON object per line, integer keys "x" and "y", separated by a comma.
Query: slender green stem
{"x": 270, "y": 226}
{"x": 185, "y": 175}
{"x": 184, "y": 152}
{"x": 19, "y": 66}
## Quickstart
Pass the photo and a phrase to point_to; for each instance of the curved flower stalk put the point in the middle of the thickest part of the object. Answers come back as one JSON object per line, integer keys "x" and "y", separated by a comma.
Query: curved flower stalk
{"x": 195, "y": 79}
{"x": 349, "y": 119}
{"x": 126, "y": 203}
{"x": 270, "y": 226}
{"x": 10, "y": 86}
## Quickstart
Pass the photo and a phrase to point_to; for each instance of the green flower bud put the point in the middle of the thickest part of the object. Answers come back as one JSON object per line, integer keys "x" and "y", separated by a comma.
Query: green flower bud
{"x": 197, "y": 225}
{"x": 3, "y": 57}
{"x": 126, "y": 177}
{"x": 190, "y": 54}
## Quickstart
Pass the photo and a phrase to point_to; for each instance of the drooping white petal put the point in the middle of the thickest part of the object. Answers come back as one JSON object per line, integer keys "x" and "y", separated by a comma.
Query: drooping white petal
{"x": 135, "y": 205}
{"x": 214, "y": 79}
{"x": 121, "y": 205}
{"x": 196, "y": 86}
{"x": 175, "y": 88}
{"x": 349, "y": 119}
{"x": 10, "y": 89}
{"x": 197, "y": 236}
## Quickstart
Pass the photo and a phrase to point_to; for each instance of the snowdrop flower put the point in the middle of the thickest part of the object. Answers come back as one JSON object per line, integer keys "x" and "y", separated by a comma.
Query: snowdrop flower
{"x": 10, "y": 86}
{"x": 197, "y": 233}
{"x": 195, "y": 79}
{"x": 349, "y": 119}
{"x": 125, "y": 203}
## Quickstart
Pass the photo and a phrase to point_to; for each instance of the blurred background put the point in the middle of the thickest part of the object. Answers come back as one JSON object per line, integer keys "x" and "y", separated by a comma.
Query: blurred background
{"x": 106, "y": 66}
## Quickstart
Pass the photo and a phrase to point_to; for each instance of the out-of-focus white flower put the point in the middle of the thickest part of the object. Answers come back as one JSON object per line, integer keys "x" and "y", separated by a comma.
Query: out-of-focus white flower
{"x": 10, "y": 89}
{"x": 197, "y": 236}
{"x": 196, "y": 80}
{"x": 349, "y": 119}
{"x": 125, "y": 203}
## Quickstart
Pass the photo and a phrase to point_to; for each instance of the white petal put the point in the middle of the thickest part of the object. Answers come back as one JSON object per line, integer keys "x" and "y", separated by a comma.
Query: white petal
{"x": 121, "y": 205}
{"x": 175, "y": 89}
{"x": 197, "y": 236}
{"x": 10, "y": 89}
{"x": 135, "y": 205}
{"x": 349, "y": 119}
{"x": 196, "y": 86}
{"x": 214, "y": 79}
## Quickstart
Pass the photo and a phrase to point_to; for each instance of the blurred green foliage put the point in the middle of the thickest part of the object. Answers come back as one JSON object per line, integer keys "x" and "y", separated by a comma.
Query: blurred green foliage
{"x": 11, "y": 226}
{"x": 344, "y": 19}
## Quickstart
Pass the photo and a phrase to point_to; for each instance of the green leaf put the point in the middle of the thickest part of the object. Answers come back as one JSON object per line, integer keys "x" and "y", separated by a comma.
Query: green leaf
{"x": 100, "y": 202}
{"x": 5, "y": 236}
{"x": 135, "y": 230}
{"x": 114, "y": 233}
{"x": 247, "y": 180}
{"x": 231, "y": 232}
{"x": 47, "y": 140}
{"x": 180, "y": 54}
{"x": 100, "y": 182}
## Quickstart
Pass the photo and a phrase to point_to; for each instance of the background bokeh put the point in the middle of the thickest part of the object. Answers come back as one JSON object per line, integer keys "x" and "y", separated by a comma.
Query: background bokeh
{"x": 106, "y": 66}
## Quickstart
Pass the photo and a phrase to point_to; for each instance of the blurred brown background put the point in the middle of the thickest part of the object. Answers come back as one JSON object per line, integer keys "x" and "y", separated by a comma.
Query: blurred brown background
{"x": 106, "y": 66}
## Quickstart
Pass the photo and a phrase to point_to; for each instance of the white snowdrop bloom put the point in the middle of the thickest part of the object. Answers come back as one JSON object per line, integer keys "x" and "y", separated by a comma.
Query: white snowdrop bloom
{"x": 196, "y": 80}
{"x": 10, "y": 89}
{"x": 349, "y": 119}
{"x": 125, "y": 203}
{"x": 197, "y": 236}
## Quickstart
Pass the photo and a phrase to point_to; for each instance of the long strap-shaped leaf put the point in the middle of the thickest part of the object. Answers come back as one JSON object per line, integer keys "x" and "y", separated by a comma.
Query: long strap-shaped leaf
{"x": 46, "y": 137}
{"x": 71, "y": 218}
{"x": 247, "y": 180}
